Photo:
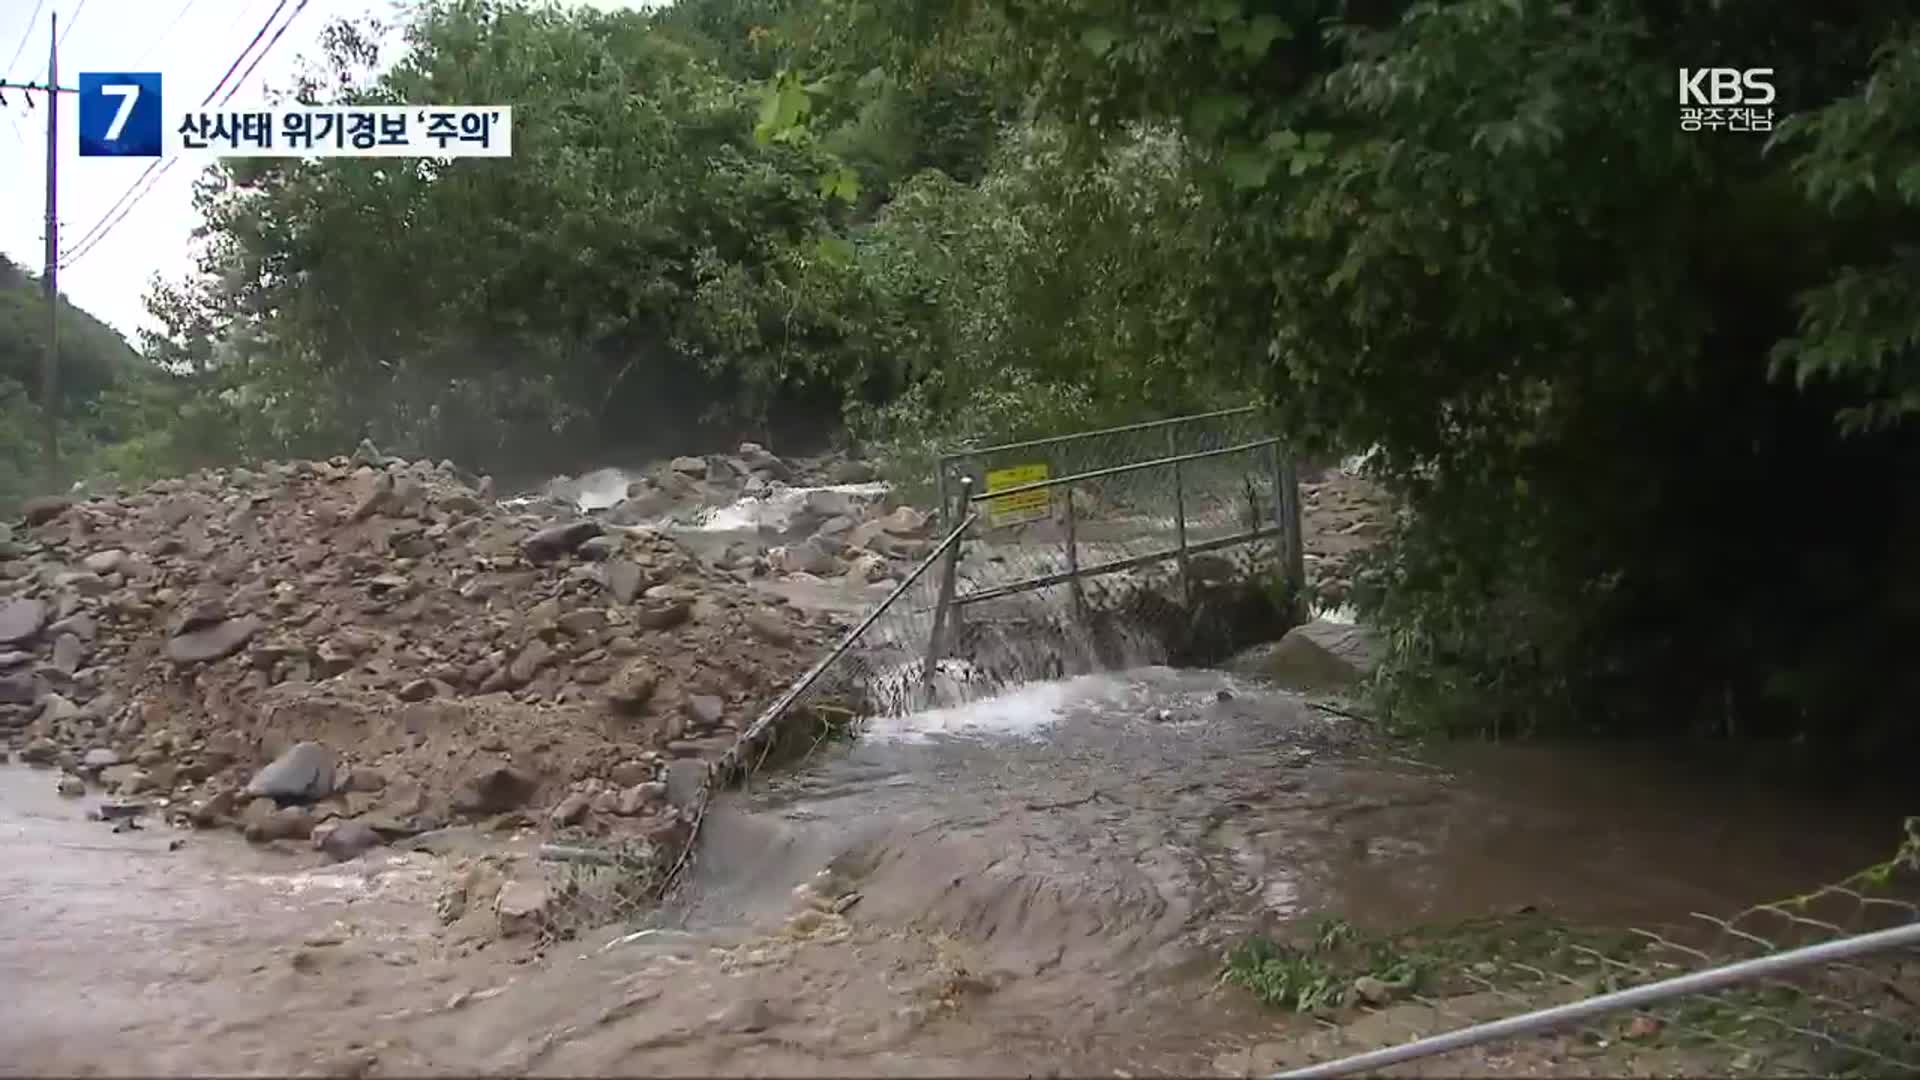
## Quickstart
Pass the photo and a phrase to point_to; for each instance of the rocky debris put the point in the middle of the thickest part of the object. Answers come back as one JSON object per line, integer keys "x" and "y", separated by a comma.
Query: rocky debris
{"x": 363, "y": 649}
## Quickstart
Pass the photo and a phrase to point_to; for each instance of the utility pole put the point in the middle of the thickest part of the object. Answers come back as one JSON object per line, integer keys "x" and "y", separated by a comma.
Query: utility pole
{"x": 50, "y": 367}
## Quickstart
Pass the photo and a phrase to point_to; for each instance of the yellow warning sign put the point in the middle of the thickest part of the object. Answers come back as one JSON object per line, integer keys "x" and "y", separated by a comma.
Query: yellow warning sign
{"x": 1023, "y": 507}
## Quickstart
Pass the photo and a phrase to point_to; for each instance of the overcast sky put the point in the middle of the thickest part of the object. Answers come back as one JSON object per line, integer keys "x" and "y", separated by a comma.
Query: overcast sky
{"x": 191, "y": 43}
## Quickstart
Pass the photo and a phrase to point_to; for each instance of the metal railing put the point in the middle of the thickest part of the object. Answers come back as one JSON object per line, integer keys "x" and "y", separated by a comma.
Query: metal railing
{"x": 1825, "y": 984}
{"x": 1084, "y": 451}
{"x": 1129, "y": 519}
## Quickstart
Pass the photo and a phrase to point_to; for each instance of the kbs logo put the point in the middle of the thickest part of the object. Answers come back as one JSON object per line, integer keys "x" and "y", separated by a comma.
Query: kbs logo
{"x": 1726, "y": 99}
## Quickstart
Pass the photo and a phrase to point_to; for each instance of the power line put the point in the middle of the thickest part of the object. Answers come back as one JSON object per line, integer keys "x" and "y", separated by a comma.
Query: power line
{"x": 25, "y": 34}
{"x": 122, "y": 206}
{"x": 104, "y": 226}
{"x": 71, "y": 19}
{"x": 298, "y": 8}
{"x": 258, "y": 34}
{"x": 172, "y": 25}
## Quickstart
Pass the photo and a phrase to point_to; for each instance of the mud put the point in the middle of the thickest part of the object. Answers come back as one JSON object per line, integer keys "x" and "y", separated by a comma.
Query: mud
{"x": 1040, "y": 883}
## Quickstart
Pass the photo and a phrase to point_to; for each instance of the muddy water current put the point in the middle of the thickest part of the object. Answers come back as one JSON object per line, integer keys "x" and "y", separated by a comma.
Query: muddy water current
{"x": 1045, "y": 882}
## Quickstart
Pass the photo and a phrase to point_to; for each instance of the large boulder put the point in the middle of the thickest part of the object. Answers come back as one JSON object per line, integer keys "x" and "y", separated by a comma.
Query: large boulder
{"x": 303, "y": 774}
{"x": 1320, "y": 655}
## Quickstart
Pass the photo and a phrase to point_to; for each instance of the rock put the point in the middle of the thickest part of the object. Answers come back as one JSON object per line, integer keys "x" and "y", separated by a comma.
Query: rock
{"x": 213, "y": 642}
{"x": 706, "y": 710}
{"x": 625, "y": 580}
{"x": 1375, "y": 992}
{"x": 304, "y": 773}
{"x": 689, "y": 466}
{"x": 71, "y": 786}
{"x": 18, "y": 690}
{"x": 68, "y": 653}
{"x": 558, "y": 540}
{"x": 343, "y": 840}
{"x": 638, "y": 508}
{"x": 39, "y": 752}
{"x": 822, "y": 505}
{"x": 280, "y": 823}
{"x": 495, "y": 789}
{"x": 640, "y": 798}
{"x": 418, "y": 690}
{"x": 770, "y": 627}
{"x": 757, "y": 459}
{"x": 571, "y": 809}
{"x": 521, "y": 908}
{"x": 686, "y": 778}
{"x": 1319, "y": 655}
{"x": 632, "y": 690}
{"x": 537, "y": 655}
{"x": 21, "y": 620}
{"x": 110, "y": 561}
{"x": 630, "y": 772}
{"x": 100, "y": 757}
{"x": 56, "y": 709}
{"x": 808, "y": 557}
{"x": 906, "y": 521}
{"x": 662, "y": 614}
{"x": 852, "y": 471}
{"x": 40, "y": 510}
{"x": 597, "y": 548}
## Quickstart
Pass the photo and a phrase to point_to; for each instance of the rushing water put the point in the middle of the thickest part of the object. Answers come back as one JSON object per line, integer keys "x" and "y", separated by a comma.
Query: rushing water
{"x": 1046, "y": 879}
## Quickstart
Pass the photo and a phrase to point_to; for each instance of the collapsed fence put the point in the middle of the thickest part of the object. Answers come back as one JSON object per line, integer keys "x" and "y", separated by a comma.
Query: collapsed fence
{"x": 1059, "y": 556}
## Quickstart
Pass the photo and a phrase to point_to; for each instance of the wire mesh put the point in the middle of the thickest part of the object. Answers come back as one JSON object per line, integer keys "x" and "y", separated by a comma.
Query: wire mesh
{"x": 1084, "y": 452}
{"x": 928, "y": 645}
{"x": 1843, "y": 1018}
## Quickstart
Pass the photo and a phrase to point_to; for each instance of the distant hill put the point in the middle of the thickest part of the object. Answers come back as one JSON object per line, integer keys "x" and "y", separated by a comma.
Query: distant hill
{"x": 94, "y": 359}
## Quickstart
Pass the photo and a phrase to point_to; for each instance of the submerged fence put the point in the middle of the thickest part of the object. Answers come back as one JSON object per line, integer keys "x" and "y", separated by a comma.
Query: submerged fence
{"x": 1826, "y": 984}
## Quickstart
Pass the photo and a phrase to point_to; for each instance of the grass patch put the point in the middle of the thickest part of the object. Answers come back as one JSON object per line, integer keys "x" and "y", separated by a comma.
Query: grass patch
{"x": 1323, "y": 965}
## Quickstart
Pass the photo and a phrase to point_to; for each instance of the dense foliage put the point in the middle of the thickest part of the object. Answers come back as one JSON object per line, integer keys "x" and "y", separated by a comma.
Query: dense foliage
{"x": 98, "y": 369}
{"x": 1648, "y": 395}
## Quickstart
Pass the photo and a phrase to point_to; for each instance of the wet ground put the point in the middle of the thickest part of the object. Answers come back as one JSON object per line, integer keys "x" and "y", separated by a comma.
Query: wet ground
{"x": 1045, "y": 883}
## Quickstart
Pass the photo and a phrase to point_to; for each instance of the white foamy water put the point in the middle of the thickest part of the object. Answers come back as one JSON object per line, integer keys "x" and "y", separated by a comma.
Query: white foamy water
{"x": 775, "y": 510}
{"x": 1021, "y": 713}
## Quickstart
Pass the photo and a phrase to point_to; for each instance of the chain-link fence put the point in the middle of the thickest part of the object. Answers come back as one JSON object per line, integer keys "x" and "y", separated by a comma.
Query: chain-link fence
{"x": 1072, "y": 554}
{"x": 1091, "y": 451}
{"x": 1826, "y": 984}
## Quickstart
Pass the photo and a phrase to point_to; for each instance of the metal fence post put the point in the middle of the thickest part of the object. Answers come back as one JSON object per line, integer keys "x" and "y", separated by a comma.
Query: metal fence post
{"x": 1180, "y": 530}
{"x": 940, "y": 506}
{"x": 944, "y": 610}
{"x": 1286, "y": 512}
{"x": 1073, "y": 561}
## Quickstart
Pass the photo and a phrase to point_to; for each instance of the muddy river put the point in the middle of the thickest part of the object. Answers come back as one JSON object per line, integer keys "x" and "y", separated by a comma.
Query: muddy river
{"x": 1045, "y": 883}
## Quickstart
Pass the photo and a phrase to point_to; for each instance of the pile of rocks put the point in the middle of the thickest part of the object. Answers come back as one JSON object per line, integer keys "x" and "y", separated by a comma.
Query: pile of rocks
{"x": 362, "y": 649}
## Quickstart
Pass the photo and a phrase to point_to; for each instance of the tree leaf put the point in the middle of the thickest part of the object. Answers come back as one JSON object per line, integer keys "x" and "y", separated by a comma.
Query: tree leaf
{"x": 1249, "y": 168}
{"x": 1098, "y": 40}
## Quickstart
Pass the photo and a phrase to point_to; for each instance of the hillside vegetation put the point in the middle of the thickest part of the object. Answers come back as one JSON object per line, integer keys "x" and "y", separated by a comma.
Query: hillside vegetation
{"x": 1648, "y": 395}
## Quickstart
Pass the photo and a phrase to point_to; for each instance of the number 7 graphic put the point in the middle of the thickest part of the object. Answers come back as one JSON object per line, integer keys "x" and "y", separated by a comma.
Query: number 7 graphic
{"x": 121, "y": 114}
{"x": 128, "y": 93}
